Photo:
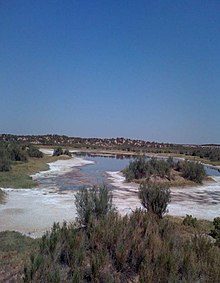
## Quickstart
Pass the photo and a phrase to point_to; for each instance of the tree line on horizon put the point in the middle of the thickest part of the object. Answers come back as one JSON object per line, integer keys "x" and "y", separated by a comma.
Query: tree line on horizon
{"x": 209, "y": 152}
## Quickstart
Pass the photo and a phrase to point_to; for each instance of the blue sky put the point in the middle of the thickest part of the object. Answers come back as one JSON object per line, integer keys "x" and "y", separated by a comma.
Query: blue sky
{"x": 138, "y": 69}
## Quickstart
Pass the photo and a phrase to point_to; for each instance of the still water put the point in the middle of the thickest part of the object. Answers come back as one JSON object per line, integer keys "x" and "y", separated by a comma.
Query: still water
{"x": 94, "y": 173}
{"x": 202, "y": 201}
{"x": 87, "y": 175}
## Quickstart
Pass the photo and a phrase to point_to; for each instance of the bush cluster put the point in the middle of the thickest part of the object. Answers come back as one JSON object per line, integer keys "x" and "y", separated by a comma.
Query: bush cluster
{"x": 190, "y": 221}
{"x": 5, "y": 162}
{"x": 34, "y": 152}
{"x": 59, "y": 151}
{"x": 142, "y": 168}
{"x": 215, "y": 233}
{"x": 113, "y": 248}
{"x": 123, "y": 249}
{"x": 193, "y": 171}
{"x": 11, "y": 152}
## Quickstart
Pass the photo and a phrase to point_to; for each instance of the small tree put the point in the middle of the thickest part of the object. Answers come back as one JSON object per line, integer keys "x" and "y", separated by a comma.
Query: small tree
{"x": 154, "y": 198}
{"x": 93, "y": 202}
{"x": 58, "y": 151}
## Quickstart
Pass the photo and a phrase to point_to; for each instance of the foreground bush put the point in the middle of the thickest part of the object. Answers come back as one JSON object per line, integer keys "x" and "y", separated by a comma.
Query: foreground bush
{"x": 154, "y": 198}
{"x": 135, "y": 248}
{"x": 190, "y": 221}
{"x": 94, "y": 202}
{"x": 216, "y": 231}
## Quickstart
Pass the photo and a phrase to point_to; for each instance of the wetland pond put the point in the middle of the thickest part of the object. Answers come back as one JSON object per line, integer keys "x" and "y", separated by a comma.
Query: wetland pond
{"x": 33, "y": 211}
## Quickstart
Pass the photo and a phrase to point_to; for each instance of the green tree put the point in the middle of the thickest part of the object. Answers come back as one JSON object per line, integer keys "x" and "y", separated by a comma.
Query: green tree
{"x": 154, "y": 198}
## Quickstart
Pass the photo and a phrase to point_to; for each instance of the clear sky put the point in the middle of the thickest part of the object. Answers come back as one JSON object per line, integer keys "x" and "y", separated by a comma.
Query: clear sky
{"x": 138, "y": 69}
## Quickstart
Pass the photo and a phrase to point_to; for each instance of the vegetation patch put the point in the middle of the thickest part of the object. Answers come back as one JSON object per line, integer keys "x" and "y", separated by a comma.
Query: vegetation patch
{"x": 19, "y": 175}
{"x": 215, "y": 233}
{"x": 12, "y": 152}
{"x": 59, "y": 151}
{"x": 103, "y": 246}
{"x": 94, "y": 202}
{"x": 164, "y": 171}
{"x": 15, "y": 250}
{"x": 190, "y": 221}
{"x": 124, "y": 249}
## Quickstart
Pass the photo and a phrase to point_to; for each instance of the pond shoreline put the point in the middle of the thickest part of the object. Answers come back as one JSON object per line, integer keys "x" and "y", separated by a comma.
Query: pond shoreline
{"x": 33, "y": 211}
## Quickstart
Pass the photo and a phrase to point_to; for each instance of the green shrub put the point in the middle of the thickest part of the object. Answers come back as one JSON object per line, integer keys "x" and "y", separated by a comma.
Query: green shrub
{"x": 11, "y": 152}
{"x": 142, "y": 168}
{"x": 34, "y": 152}
{"x": 93, "y": 202}
{"x": 215, "y": 233}
{"x": 58, "y": 151}
{"x": 17, "y": 153}
{"x": 190, "y": 221}
{"x": 5, "y": 164}
{"x": 131, "y": 248}
{"x": 154, "y": 198}
{"x": 193, "y": 171}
